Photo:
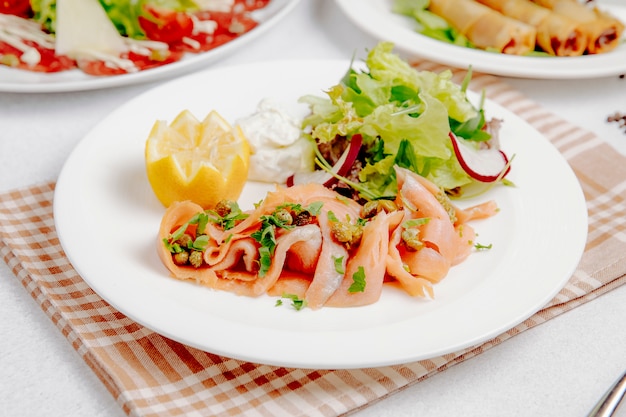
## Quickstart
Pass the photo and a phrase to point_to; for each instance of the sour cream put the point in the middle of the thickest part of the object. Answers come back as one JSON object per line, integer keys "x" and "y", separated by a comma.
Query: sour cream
{"x": 277, "y": 147}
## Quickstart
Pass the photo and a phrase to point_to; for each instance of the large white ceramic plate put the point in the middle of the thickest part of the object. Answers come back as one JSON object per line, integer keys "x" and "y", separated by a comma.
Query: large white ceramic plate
{"x": 107, "y": 219}
{"x": 376, "y": 18}
{"x": 20, "y": 81}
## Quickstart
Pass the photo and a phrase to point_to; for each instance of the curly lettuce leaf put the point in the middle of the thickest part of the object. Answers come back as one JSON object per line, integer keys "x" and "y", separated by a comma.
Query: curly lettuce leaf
{"x": 397, "y": 110}
{"x": 45, "y": 13}
{"x": 331, "y": 118}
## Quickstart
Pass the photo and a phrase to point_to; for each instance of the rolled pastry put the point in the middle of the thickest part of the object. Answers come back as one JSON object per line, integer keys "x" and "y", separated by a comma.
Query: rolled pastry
{"x": 556, "y": 34}
{"x": 603, "y": 30}
{"x": 485, "y": 27}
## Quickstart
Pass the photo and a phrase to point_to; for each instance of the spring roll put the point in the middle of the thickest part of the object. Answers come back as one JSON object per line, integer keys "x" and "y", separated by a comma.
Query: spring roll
{"x": 556, "y": 34}
{"x": 485, "y": 27}
{"x": 602, "y": 29}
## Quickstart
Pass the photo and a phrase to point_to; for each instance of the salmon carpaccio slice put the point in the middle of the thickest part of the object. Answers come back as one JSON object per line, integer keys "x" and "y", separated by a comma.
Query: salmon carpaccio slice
{"x": 309, "y": 263}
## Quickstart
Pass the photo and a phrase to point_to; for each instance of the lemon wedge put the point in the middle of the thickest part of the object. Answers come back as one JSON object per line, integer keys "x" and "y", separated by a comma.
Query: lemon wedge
{"x": 201, "y": 161}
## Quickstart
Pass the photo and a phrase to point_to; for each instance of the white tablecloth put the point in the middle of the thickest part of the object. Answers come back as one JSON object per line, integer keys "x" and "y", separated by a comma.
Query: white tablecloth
{"x": 559, "y": 368}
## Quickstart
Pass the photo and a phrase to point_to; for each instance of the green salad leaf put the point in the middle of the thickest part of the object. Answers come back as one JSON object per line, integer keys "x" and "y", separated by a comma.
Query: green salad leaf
{"x": 404, "y": 116}
{"x": 45, "y": 13}
{"x": 123, "y": 13}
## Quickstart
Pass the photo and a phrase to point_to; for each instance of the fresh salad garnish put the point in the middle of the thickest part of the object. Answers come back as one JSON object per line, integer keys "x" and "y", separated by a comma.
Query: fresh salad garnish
{"x": 387, "y": 114}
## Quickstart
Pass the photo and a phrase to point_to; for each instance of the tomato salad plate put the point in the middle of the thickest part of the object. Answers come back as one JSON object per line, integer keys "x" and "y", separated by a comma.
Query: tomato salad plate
{"x": 26, "y": 81}
{"x": 377, "y": 18}
{"x": 107, "y": 218}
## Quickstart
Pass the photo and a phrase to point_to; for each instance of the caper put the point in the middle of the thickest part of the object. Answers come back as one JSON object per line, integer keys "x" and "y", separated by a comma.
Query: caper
{"x": 196, "y": 258}
{"x": 372, "y": 208}
{"x": 410, "y": 237}
{"x": 388, "y": 205}
{"x": 303, "y": 218}
{"x": 181, "y": 258}
{"x": 284, "y": 216}
{"x": 342, "y": 232}
{"x": 346, "y": 233}
{"x": 357, "y": 233}
{"x": 223, "y": 208}
{"x": 185, "y": 240}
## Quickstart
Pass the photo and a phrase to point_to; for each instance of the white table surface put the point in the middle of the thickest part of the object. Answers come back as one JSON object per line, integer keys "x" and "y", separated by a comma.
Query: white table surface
{"x": 559, "y": 368}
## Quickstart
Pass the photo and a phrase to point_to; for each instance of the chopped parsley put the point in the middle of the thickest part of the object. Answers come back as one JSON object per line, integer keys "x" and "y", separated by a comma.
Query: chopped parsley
{"x": 332, "y": 217}
{"x": 358, "y": 281}
{"x": 266, "y": 236}
{"x": 296, "y": 302}
{"x": 478, "y": 246}
{"x": 173, "y": 241}
{"x": 415, "y": 222}
{"x": 338, "y": 261}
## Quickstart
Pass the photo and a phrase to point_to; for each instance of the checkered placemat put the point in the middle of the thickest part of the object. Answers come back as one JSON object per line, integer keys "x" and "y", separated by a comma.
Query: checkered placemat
{"x": 151, "y": 375}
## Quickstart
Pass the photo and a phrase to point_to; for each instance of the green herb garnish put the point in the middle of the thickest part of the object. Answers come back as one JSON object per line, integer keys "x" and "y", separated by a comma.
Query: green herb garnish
{"x": 479, "y": 246}
{"x": 358, "y": 281}
{"x": 296, "y": 302}
{"x": 338, "y": 261}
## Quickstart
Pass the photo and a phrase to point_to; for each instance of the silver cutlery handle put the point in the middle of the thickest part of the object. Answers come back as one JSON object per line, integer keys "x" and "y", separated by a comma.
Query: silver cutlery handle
{"x": 610, "y": 401}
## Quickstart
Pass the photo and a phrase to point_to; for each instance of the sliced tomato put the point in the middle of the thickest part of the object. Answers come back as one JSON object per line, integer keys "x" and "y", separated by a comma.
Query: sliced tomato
{"x": 142, "y": 62}
{"x": 49, "y": 62}
{"x": 229, "y": 27}
{"x": 165, "y": 25}
{"x": 233, "y": 23}
{"x": 17, "y": 7}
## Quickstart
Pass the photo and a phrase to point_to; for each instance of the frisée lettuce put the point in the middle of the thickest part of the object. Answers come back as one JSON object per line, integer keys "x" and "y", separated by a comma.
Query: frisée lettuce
{"x": 404, "y": 116}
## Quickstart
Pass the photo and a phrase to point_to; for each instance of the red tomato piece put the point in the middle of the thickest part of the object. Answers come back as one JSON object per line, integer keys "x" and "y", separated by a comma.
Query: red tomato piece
{"x": 16, "y": 7}
{"x": 141, "y": 62}
{"x": 166, "y": 25}
{"x": 49, "y": 62}
{"x": 229, "y": 27}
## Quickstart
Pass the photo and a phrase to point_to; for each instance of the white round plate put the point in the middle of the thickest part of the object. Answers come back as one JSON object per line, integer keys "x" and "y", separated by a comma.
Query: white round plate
{"x": 107, "y": 219}
{"x": 376, "y": 18}
{"x": 20, "y": 81}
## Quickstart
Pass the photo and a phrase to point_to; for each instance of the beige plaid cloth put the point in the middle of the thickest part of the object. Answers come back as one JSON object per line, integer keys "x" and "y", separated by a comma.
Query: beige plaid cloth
{"x": 150, "y": 375}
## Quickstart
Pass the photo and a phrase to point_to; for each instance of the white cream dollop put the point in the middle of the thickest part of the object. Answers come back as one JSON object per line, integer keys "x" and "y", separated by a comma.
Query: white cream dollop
{"x": 277, "y": 147}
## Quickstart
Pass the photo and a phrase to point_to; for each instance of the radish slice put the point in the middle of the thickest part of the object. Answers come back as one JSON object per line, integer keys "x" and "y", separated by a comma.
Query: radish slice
{"x": 341, "y": 167}
{"x": 484, "y": 165}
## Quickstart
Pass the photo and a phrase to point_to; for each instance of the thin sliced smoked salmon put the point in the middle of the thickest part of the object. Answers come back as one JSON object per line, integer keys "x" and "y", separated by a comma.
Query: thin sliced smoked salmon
{"x": 268, "y": 251}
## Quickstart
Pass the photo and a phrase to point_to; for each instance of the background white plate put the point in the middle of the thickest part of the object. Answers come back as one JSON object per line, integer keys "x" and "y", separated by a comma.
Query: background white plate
{"x": 376, "y": 18}
{"x": 20, "y": 81}
{"x": 107, "y": 219}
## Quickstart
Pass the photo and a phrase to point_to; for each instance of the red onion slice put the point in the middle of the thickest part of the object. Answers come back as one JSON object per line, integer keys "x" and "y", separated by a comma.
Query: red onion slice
{"x": 341, "y": 168}
{"x": 484, "y": 165}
